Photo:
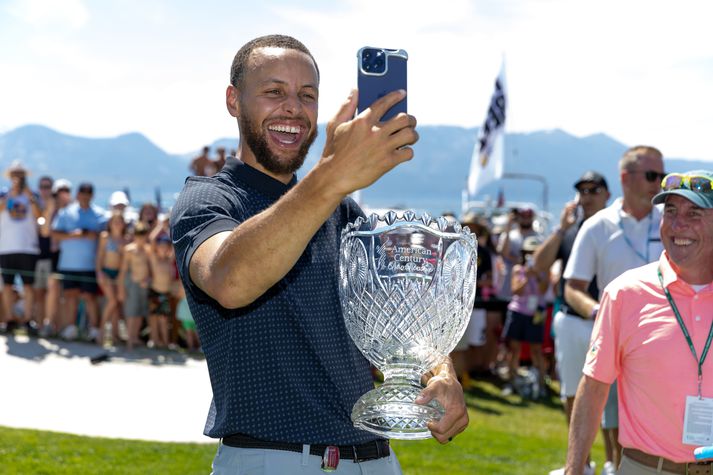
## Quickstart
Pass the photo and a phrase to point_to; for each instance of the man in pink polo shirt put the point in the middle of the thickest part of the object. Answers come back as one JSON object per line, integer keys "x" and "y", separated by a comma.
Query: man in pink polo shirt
{"x": 654, "y": 326}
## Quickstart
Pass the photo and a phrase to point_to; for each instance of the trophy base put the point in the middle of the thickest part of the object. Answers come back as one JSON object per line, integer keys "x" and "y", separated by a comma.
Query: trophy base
{"x": 390, "y": 412}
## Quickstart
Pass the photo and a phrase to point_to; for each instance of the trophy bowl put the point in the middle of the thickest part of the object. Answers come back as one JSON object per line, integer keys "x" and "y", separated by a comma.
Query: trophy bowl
{"x": 407, "y": 286}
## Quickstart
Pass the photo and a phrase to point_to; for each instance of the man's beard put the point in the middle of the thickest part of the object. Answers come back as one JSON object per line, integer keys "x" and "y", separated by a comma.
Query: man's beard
{"x": 256, "y": 140}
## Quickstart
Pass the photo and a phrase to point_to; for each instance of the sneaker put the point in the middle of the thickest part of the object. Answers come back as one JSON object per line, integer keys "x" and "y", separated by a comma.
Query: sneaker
{"x": 507, "y": 390}
{"x": 609, "y": 469}
{"x": 93, "y": 334}
{"x": 31, "y": 328}
{"x": 47, "y": 331}
{"x": 588, "y": 470}
{"x": 69, "y": 333}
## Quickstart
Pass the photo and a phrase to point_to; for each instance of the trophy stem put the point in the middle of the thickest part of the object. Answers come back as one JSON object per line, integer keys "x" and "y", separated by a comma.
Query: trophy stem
{"x": 391, "y": 411}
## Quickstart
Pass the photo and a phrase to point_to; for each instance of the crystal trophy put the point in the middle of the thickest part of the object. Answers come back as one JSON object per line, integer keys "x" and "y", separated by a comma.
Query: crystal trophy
{"x": 407, "y": 286}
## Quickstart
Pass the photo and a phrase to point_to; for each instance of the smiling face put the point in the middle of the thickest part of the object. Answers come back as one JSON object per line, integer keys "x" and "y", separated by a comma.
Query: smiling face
{"x": 687, "y": 236}
{"x": 276, "y": 107}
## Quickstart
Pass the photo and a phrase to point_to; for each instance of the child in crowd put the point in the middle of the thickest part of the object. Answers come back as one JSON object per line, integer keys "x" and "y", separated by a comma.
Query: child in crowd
{"x": 110, "y": 253}
{"x": 161, "y": 260}
{"x": 183, "y": 312}
{"x": 525, "y": 318}
{"x": 133, "y": 280}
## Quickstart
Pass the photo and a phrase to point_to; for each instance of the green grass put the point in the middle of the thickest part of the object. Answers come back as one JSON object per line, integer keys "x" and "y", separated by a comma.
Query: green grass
{"x": 506, "y": 436}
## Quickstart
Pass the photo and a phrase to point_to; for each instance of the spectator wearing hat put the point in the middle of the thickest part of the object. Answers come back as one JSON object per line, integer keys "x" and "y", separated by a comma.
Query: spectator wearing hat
{"x": 620, "y": 237}
{"x": 118, "y": 202}
{"x": 77, "y": 229}
{"x": 525, "y": 316}
{"x": 651, "y": 335}
{"x": 19, "y": 243}
{"x": 572, "y": 331}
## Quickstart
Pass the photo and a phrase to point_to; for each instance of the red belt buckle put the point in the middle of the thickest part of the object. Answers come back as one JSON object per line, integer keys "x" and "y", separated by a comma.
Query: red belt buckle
{"x": 330, "y": 459}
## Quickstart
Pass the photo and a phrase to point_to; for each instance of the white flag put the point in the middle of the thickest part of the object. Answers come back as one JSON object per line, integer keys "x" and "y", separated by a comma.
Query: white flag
{"x": 488, "y": 160}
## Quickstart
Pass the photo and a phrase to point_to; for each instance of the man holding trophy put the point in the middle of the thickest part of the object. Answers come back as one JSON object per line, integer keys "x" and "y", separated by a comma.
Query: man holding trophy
{"x": 259, "y": 254}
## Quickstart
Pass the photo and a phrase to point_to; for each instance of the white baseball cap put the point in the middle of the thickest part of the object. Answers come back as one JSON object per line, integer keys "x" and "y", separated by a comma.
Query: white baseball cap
{"x": 61, "y": 184}
{"x": 118, "y": 198}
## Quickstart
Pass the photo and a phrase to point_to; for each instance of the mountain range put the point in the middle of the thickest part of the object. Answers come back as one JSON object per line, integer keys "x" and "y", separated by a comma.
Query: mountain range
{"x": 433, "y": 180}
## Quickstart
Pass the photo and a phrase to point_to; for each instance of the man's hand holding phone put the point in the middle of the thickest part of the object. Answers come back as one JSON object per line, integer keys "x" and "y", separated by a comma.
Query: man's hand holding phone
{"x": 359, "y": 150}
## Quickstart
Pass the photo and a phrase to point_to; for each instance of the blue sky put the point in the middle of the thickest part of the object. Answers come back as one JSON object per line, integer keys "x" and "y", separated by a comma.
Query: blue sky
{"x": 640, "y": 71}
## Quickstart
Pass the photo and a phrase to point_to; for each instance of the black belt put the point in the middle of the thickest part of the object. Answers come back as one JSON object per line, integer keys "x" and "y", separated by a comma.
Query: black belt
{"x": 359, "y": 453}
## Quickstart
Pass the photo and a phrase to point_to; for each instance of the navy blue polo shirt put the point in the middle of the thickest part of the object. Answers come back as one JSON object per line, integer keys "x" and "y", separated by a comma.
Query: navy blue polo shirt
{"x": 283, "y": 368}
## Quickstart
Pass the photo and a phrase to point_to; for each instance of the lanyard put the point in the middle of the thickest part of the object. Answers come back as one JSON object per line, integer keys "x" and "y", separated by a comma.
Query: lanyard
{"x": 631, "y": 244}
{"x": 687, "y": 335}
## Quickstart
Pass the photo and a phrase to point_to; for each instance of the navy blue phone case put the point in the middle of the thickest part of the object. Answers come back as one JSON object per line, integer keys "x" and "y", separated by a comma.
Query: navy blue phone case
{"x": 376, "y": 84}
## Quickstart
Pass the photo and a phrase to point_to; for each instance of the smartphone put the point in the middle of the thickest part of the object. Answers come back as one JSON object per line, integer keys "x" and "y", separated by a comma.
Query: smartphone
{"x": 381, "y": 71}
{"x": 578, "y": 213}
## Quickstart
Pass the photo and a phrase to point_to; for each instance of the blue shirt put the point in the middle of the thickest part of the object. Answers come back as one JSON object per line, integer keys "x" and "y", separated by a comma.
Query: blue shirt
{"x": 283, "y": 368}
{"x": 78, "y": 254}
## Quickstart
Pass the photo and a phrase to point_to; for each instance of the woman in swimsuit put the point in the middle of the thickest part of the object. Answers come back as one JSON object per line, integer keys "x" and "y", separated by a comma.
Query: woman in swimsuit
{"x": 110, "y": 252}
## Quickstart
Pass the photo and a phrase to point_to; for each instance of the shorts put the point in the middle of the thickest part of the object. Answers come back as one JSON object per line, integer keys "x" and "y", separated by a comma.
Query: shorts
{"x": 519, "y": 327}
{"x": 572, "y": 336}
{"x": 137, "y": 299}
{"x": 188, "y": 324}
{"x": 159, "y": 303}
{"x": 22, "y": 264}
{"x": 475, "y": 332}
{"x": 84, "y": 280}
{"x": 610, "y": 416}
{"x": 43, "y": 269}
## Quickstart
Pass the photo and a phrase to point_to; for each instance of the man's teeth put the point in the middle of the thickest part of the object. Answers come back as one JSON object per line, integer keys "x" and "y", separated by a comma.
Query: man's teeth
{"x": 290, "y": 129}
{"x": 682, "y": 241}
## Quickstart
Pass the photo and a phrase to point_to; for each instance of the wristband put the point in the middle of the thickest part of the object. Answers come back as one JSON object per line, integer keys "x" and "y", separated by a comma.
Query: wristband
{"x": 595, "y": 310}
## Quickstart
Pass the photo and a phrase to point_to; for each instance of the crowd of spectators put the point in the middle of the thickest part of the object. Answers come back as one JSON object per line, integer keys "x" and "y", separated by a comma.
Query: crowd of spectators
{"x": 74, "y": 270}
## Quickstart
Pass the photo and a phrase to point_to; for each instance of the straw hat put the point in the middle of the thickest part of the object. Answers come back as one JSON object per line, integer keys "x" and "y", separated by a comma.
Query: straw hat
{"x": 16, "y": 167}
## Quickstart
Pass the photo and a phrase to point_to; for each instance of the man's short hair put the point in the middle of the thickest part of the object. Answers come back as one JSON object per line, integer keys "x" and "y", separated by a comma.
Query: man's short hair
{"x": 240, "y": 61}
{"x": 628, "y": 160}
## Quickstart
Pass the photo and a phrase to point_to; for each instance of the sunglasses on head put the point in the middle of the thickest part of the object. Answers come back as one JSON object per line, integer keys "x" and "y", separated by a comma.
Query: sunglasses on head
{"x": 698, "y": 183}
{"x": 650, "y": 175}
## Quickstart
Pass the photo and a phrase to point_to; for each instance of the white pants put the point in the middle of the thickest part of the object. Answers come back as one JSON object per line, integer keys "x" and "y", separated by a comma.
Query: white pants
{"x": 572, "y": 335}
{"x": 239, "y": 461}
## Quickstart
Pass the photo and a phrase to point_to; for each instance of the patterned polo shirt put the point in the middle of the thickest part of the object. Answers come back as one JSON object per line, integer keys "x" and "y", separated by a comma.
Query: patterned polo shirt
{"x": 283, "y": 368}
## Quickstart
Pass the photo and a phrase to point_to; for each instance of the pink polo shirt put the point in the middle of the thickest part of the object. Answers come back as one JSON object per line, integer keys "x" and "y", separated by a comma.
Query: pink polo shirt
{"x": 637, "y": 340}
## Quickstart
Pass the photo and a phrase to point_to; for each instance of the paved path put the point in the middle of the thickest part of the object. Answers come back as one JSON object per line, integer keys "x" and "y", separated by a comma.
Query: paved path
{"x": 151, "y": 395}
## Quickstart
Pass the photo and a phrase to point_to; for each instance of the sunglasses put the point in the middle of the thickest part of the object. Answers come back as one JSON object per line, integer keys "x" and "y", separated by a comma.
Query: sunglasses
{"x": 650, "y": 175}
{"x": 697, "y": 183}
{"x": 591, "y": 191}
